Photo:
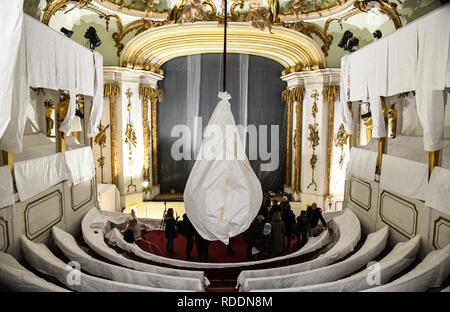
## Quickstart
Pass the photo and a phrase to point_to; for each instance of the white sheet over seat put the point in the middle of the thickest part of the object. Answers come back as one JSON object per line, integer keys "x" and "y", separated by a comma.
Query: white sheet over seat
{"x": 17, "y": 278}
{"x": 374, "y": 244}
{"x": 67, "y": 244}
{"x": 92, "y": 228}
{"x": 431, "y": 272}
{"x": 348, "y": 228}
{"x": 395, "y": 262}
{"x": 43, "y": 260}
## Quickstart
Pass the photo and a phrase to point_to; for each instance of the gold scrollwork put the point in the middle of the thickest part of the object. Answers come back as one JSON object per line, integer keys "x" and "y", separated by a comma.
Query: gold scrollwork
{"x": 330, "y": 94}
{"x": 100, "y": 140}
{"x": 310, "y": 29}
{"x": 130, "y": 139}
{"x": 341, "y": 140}
{"x": 112, "y": 92}
{"x": 314, "y": 136}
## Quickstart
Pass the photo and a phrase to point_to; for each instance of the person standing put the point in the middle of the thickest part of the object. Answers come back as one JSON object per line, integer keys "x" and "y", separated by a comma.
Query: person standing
{"x": 170, "y": 231}
{"x": 188, "y": 231}
{"x": 314, "y": 214}
{"x": 288, "y": 218}
{"x": 202, "y": 247}
{"x": 252, "y": 234}
{"x": 302, "y": 229}
{"x": 278, "y": 231}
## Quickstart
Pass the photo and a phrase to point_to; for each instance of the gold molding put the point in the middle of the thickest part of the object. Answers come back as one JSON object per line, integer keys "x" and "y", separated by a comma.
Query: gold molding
{"x": 358, "y": 126}
{"x": 298, "y": 96}
{"x": 309, "y": 29}
{"x": 354, "y": 200}
{"x": 77, "y": 207}
{"x": 330, "y": 94}
{"x": 436, "y": 230}
{"x": 112, "y": 92}
{"x": 433, "y": 161}
{"x": 6, "y": 231}
{"x": 130, "y": 139}
{"x": 144, "y": 94}
{"x": 100, "y": 140}
{"x": 341, "y": 139}
{"x": 61, "y": 111}
{"x": 155, "y": 97}
{"x": 52, "y": 223}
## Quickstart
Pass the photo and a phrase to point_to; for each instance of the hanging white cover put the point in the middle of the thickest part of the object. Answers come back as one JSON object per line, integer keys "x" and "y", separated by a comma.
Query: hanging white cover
{"x": 80, "y": 163}
{"x": 362, "y": 164}
{"x": 222, "y": 194}
{"x": 6, "y": 187}
{"x": 438, "y": 195}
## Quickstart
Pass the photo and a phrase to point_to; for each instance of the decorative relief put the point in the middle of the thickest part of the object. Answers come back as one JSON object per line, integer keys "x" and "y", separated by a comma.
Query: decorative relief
{"x": 112, "y": 92}
{"x": 310, "y": 29}
{"x": 100, "y": 140}
{"x": 130, "y": 139}
{"x": 341, "y": 139}
{"x": 43, "y": 213}
{"x": 441, "y": 232}
{"x": 399, "y": 213}
{"x": 80, "y": 190}
{"x": 258, "y": 16}
{"x": 4, "y": 238}
{"x": 330, "y": 93}
{"x": 360, "y": 193}
{"x": 314, "y": 137}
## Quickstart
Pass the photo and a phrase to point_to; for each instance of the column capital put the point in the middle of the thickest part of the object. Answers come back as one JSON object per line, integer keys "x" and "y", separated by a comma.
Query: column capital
{"x": 313, "y": 78}
{"x": 124, "y": 74}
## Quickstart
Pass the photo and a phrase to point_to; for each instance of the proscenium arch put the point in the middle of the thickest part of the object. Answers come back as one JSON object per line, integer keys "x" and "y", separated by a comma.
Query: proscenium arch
{"x": 152, "y": 48}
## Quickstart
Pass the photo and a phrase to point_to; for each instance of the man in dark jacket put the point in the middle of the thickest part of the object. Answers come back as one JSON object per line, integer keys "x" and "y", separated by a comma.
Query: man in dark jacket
{"x": 314, "y": 214}
{"x": 202, "y": 247}
{"x": 189, "y": 232}
{"x": 288, "y": 218}
{"x": 302, "y": 229}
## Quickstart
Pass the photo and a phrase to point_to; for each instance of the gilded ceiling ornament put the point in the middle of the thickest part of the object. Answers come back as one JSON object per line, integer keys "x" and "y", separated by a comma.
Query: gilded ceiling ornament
{"x": 192, "y": 11}
{"x": 258, "y": 16}
{"x": 310, "y": 29}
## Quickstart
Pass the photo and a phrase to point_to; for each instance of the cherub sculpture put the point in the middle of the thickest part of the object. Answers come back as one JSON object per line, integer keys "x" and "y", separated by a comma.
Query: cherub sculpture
{"x": 258, "y": 16}
{"x": 192, "y": 11}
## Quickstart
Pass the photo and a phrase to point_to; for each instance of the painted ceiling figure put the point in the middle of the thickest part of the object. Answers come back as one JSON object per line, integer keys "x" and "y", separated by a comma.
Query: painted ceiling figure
{"x": 259, "y": 16}
{"x": 192, "y": 11}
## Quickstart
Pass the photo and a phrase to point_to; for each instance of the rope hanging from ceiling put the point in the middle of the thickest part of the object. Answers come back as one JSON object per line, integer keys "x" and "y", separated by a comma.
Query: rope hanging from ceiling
{"x": 225, "y": 15}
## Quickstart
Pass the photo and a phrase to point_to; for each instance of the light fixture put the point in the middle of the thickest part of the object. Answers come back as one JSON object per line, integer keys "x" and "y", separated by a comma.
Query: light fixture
{"x": 91, "y": 35}
{"x": 353, "y": 42}
{"x": 347, "y": 35}
{"x": 145, "y": 184}
{"x": 66, "y": 32}
{"x": 377, "y": 34}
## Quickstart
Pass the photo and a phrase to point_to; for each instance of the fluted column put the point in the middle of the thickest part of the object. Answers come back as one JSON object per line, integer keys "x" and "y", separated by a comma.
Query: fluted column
{"x": 155, "y": 97}
{"x": 286, "y": 97}
{"x": 112, "y": 92}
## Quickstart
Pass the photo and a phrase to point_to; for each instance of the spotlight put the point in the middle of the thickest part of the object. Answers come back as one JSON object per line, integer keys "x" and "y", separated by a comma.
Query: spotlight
{"x": 67, "y": 32}
{"x": 377, "y": 34}
{"x": 91, "y": 35}
{"x": 347, "y": 35}
{"x": 352, "y": 43}
{"x": 145, "y": 184}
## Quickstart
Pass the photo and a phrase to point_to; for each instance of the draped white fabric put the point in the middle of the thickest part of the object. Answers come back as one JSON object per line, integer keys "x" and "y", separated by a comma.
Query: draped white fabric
{"x": 343, "y": 112}
{"x": 222, "y": 194}
{"x": 243, "y": 95}
{"x": 349, "y": 230}
{"x": 438, "y": 195}
{"x": 410, "y": 119}
{"x": 403, "y": 176}
{"x": 43, "y": 260}
{"x": 373, "y": 245}
{"x": 97, "y": 104}
{"x": 194, "y": 63}
{"x": 80, "y": 164}
{"x": 431, "y": 272}
{"x": 93, "y": 226}
{"x": 415, "y": 57}
{"x": 67, "y": 244}
{"x": 431, "y": 112}
{"x": 362, "y": 164}
{"x": 18, "y": 278}
{"x": 394, "y": 263}
{"x": 11, "y": 20}
{"x": 109, "y": 197}
{"x": 44, "y": 172}
{"x": 6, "y": 187}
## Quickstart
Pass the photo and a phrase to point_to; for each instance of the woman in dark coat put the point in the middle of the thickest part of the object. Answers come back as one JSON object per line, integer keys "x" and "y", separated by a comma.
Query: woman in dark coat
{"x": 171, "y": 231}
{"x": 278, "y": 230}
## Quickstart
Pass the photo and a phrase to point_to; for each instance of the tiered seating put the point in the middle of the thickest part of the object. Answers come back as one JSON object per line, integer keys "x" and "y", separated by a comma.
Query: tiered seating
{"x": 374, "y": 244}
{"x": 348, "y": 228}
{"x": 92, "y": 227}
{"x": 431, "y": 272}
{"x": 116, "y": 238}
{"x": 67, "y": 244}
{"x": 14, "y": 277}
{"x": 395, "y": 262}
{"x": 43, "y": 260}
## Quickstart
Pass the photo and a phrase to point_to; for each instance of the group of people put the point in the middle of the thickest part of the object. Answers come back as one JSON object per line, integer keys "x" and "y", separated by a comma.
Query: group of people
{"x": 269, "y": 235}
{"x": 276, "y": 225}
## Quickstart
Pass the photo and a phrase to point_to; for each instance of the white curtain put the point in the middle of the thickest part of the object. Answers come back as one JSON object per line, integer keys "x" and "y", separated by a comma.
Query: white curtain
{"x": 6, "y": 187}
{"x": 11, "y": 20}
{"x": 243, "y": 95}
{"x": 97, "y": 104}
{"x": 194, "y": 63}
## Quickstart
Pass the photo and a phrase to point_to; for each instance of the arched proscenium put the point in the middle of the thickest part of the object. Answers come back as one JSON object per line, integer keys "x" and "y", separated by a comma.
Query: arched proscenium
{"x": 156, "y": 46}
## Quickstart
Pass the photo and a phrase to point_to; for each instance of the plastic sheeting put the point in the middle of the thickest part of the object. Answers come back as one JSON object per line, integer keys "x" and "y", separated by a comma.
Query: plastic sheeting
{"x": 394, "y": 263}
{"x": 431, "y": 272}
{"x": 44, "y": 172}
{"x": 92, "y": 227}
{"x": 362, "y": 164}
{"x": 403, "y": 176}
{"x": 348, "y": 228}
{"x": 438, "y": 195}
{"x": 67, "y": 244}
{"x": 43, "y": 260}
{"x": 80, "y": 164}
{"x": 374, "y": 244}
{"x": 11, "y": 20}
{"x": 15, "y": 277}
{"x": 222, "y": 195}
{"x": 6, "y": 187}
